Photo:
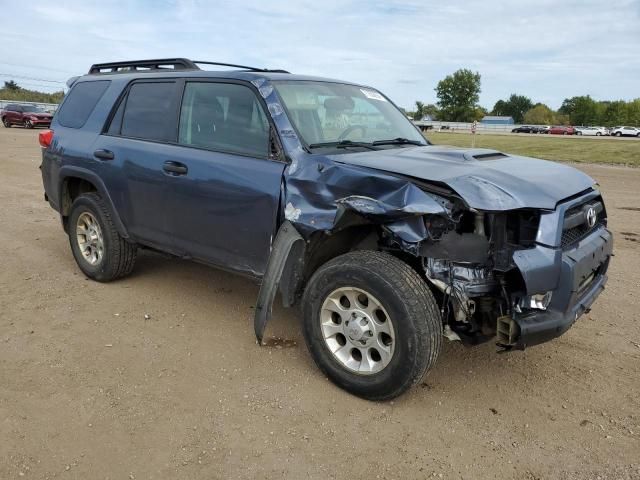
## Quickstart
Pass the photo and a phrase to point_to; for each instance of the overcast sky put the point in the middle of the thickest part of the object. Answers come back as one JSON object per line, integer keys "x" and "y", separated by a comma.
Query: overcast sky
{"x": 545, "y": 49}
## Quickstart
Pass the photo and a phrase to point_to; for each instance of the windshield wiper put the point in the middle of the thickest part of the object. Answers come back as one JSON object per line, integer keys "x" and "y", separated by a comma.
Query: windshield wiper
{"x": 343, "y": 144}
{"x": 398, "y": 141}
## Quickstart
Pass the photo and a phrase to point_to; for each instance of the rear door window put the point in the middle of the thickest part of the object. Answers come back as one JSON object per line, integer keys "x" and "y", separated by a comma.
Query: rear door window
{"x": 149, "y": 112}
{"x": 80, "y": 102}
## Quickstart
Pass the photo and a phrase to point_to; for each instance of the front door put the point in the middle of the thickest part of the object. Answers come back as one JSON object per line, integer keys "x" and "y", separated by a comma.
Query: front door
{"x": 224, "y": 189}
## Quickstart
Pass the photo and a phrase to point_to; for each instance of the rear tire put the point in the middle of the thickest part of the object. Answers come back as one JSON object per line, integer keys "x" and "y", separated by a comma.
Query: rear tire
{"x": 397, "y": 300}
{"x": 99, "y": 250}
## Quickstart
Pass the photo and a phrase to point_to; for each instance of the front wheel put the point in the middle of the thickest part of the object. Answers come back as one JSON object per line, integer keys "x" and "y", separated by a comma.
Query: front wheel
{"x": 618, "y": 134}
{"x": 371, "y": 324}
{"x": 28, "y": 124}
{"x": 6, "y": 123}
{"x": 99, "y": 250}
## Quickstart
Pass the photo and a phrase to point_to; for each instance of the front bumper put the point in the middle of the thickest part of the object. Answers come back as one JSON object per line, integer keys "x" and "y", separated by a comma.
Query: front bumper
{"x": 576, "y": 276}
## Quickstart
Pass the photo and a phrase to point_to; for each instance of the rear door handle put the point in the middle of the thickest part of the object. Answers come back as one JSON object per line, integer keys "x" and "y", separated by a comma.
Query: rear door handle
{"x": 175, "y": 168}
{"x": 104, "y": 154}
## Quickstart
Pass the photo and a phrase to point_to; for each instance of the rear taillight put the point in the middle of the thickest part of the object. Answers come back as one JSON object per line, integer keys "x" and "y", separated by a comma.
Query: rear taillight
{"x": 45, "y": 137}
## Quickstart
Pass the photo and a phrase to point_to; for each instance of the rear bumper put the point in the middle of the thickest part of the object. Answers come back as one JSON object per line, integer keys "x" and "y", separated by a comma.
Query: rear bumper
{"x": 575, "y": 276}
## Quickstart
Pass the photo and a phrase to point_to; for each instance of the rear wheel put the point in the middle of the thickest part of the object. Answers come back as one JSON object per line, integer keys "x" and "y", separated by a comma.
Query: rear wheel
{"x": 371, "y": 324}
{"x": 99, "y": 250}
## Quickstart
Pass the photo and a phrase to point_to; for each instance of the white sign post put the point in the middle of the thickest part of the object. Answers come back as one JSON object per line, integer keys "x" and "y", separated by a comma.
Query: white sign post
{"x": 473, "y": 134}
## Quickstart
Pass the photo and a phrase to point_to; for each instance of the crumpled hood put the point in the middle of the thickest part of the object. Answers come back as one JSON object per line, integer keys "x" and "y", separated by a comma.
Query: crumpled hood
{"x": 485, "y": 179}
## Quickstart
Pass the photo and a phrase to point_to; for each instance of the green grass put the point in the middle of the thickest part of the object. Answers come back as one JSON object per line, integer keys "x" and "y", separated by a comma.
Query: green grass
{"x": 564, "y": 149}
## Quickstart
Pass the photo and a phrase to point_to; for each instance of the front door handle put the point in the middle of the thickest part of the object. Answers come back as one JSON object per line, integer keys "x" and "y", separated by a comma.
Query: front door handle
{"x": 104, "y": 154}
{"x": 175, "y": 168}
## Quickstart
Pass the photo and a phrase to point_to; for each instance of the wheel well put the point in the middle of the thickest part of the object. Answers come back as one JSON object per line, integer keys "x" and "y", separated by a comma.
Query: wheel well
{"x": 323, "y": 246}
{"x": 72, "y": 188}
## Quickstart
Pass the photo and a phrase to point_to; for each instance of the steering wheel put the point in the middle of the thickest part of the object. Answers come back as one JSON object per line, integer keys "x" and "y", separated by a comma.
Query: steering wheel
{"x": 350, "y": 129}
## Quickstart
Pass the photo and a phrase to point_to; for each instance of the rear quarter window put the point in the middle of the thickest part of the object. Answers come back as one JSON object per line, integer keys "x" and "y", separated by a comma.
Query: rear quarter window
{"x": 80, "y": 102}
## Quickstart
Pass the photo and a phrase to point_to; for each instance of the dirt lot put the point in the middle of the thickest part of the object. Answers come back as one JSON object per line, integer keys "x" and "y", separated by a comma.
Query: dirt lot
{"x": 91, "y": 389}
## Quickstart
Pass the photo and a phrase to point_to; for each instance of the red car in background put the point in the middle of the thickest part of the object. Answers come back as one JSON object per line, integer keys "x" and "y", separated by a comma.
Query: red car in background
{"x": 28, "y": 116}
{"x": 560, "y": 130}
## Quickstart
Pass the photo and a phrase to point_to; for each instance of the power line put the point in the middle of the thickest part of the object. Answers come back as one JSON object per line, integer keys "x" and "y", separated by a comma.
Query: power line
{"x": 36, "y": 67}
{"x": 30, "y": 78}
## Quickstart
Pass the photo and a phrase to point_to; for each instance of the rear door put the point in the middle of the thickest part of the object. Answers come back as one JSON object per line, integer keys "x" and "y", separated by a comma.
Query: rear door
{"x": 224, "y": 186}
{"x": 133, "y": 152}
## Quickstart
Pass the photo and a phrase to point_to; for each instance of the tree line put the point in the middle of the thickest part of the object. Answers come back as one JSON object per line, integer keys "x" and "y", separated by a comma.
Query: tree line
{"x": 458, "y": 96}
{"x": 12, "y": 91}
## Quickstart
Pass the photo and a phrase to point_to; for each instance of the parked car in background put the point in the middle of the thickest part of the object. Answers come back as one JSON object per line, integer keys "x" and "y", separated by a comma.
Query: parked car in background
{"x": 561, "y": 130}
{"x": 625, "y": 132}
{"x": 525, "y": 129}
{"x": 544, "y": 129}
{"x": 592, "y": 131}
{"x": 29, "y": 116}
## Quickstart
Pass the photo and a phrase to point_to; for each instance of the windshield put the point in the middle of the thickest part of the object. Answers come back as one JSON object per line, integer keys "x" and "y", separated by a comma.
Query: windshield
{"x": 326, "y": 114}
{"x": 32, "y": 108}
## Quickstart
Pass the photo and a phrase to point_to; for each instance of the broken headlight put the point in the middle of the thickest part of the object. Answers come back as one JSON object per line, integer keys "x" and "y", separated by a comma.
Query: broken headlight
{"x": 539, "y": 301}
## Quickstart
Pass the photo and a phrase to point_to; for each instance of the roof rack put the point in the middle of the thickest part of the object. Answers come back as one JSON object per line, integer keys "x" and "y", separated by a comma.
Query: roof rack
{"x": 244, "y": 67}
{"x": 165, "y": 64}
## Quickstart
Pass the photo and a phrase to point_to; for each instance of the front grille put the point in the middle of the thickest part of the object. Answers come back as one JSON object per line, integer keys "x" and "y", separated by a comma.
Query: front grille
{"x": 576, "y": 226}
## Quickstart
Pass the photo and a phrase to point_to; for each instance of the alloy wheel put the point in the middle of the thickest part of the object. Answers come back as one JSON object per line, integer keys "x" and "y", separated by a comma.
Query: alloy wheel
{"x": 357, "y": 330}
{"x": 89, "y": 238}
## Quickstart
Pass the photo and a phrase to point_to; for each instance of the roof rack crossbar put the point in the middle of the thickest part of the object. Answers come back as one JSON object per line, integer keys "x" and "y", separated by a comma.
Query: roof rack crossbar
{"x": 143, "y": 65}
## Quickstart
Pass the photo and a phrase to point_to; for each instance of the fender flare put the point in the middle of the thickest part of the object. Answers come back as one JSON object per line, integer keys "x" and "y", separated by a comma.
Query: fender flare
{"x": 284, "y": 271}
{"x": 69, "y": 171}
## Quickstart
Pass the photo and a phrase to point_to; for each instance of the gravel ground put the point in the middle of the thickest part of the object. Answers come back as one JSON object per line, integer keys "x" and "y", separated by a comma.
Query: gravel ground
{"x": 90, "y": 388}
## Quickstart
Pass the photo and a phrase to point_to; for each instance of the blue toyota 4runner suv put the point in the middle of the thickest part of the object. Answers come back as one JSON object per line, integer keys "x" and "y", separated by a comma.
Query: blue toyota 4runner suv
{"x": 324, "y": 192}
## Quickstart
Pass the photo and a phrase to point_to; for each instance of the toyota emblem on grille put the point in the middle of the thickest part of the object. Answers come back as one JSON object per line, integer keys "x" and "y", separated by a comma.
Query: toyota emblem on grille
{"x": 591, "y": 216}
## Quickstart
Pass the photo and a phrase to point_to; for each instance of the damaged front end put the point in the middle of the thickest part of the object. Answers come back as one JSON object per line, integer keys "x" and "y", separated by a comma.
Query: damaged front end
{"x": 523, "y": 276}
{"x": 505, "y": 274}
{"x": 508, "y": 244}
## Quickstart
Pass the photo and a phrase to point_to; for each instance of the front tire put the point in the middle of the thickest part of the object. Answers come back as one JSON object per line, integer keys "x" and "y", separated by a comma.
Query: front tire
{"x": 371, "y": 324}
{"x": 6, "y": 123}
{"x": 99, "y": 250}
{"x": 28, "y": 124}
